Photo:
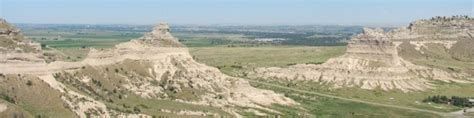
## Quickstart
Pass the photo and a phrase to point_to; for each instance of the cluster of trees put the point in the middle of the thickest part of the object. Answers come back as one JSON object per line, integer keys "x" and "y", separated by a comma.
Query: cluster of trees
{"x": 444, "y": 18}
{"x": 454, "y": 100}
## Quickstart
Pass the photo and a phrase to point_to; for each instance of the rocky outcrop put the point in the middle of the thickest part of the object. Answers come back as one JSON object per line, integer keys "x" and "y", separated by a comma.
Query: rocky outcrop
{"x": 436, "y": 28}
{"x": 22, "y": 56}
{"x": 18, "y": 53}
{"x": 452, "y": 34}
{"x": 14, "y": 41}
{"x": 156, "y": 57}
{"x": 170, "y": 63}
{"x": 160, "y": 36}
{"x": 372, "y": 61}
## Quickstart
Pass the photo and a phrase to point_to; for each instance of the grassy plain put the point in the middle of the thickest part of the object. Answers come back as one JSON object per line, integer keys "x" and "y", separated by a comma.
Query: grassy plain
{"x": 234, "y": 60}
{"x": 317, "y": 106}
{"x": 210, "y": 39}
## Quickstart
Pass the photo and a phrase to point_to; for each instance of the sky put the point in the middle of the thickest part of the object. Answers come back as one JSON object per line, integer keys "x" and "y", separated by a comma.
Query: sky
{"x": 236, "y": 12}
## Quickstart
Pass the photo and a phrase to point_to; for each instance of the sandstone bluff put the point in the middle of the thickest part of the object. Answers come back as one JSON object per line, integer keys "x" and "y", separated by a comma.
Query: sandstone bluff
{"x": 155, "y": 66}
{"x": 372, "y": 59}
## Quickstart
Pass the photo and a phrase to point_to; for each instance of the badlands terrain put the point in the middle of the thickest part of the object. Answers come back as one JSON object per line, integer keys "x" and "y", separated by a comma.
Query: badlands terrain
{"x": 373, "y": 59}
{"x": 381, "y": 73}
{"x": 153, "y": 67}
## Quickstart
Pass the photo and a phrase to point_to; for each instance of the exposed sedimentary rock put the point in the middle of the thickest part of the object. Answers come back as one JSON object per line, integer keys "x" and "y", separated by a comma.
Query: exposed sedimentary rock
{"x": 372, "y": 61}
{"x": 437, "y": 28}
{"x": 158, "y": 52}
{"x": 453, "y": 34}
{"x": 170, "y": 62}
{"x": 16, "y": 51}
{"x": 22, "y": 56}
{"x": 160, "y": 37}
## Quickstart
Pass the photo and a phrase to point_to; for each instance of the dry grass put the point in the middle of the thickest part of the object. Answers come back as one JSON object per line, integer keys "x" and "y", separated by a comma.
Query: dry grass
{"x": 33, "y": 96}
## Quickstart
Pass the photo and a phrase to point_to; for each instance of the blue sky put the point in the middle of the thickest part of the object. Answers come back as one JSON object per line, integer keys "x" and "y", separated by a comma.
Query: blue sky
{"x": 250, "y": 12}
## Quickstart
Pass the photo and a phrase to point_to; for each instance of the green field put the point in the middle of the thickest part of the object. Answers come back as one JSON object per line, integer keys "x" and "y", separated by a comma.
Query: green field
{"x": 210, "y": 39}
{"x": 234, "y": 60}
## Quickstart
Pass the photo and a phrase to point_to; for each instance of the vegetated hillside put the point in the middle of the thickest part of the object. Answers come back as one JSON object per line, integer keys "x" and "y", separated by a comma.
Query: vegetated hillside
{"x": 13, "y": 40}
{"x": 372, "y": 58}
{"x": 25, "y": 95}
{"x": 150, "y": 76}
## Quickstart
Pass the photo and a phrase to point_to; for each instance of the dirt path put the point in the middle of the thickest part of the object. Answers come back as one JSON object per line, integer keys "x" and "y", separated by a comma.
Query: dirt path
{"x": 461, "y": 112}
{"x": 452, "y": 114}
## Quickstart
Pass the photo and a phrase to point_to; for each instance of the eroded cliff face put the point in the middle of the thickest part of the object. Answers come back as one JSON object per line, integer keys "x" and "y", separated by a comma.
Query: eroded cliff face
{"x": 165, "y": 62}
{"x": 16, "y": 51}
{"x": 154, "y": 67}
{"x": 13, "y": 40}
{"x": 437, "y": 28}
{"x": 22, "y": 60}
{"x": 372, "y": 61}
{"x": 445, "y": 39}
{"x": 160, "y": 36}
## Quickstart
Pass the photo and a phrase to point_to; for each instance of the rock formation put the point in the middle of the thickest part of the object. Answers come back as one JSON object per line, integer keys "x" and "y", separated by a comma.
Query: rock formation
{"x": 160, "y": 36}
{"x": 372, "y": 60}
{"x": 168, "y": 62}
{"x": 437, "y": 28}
{"x": 452, "y": 35}
{"x": 155, "y": 66}
{"x": 16, "y": 51}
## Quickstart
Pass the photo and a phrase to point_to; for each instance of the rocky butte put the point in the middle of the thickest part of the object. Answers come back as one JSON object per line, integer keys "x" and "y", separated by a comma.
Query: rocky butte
{"x": 153, "y": 67}
{"x": 372, "y": 58}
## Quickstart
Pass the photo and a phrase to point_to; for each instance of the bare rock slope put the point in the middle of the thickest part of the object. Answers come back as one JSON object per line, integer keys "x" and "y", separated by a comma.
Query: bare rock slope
{"x": 372, "y": 59}
{"x": 167, "y": 69}
{"x": 16, "y": 51}
{"x": 153, "y": 67}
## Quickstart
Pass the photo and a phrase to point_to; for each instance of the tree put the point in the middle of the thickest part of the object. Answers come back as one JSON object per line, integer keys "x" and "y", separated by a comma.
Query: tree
{"x": 29, "y": 83}
{"x": 136, "y": 109}
{"x": 43, "y": 45}
{"x": 455, "y": 100}
{"x": 459, "y": 101}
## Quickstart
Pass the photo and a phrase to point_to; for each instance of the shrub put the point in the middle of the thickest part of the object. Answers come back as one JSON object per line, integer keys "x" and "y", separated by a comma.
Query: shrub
{"x": 29, "y": 83}
{"x": 8, "y": 98}
{"x": 136, "y": 109}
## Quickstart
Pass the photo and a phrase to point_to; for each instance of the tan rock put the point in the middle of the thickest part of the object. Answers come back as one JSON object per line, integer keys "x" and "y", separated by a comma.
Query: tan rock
{"x": 371, "y": 61}
{"x": 168, "y": 60}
